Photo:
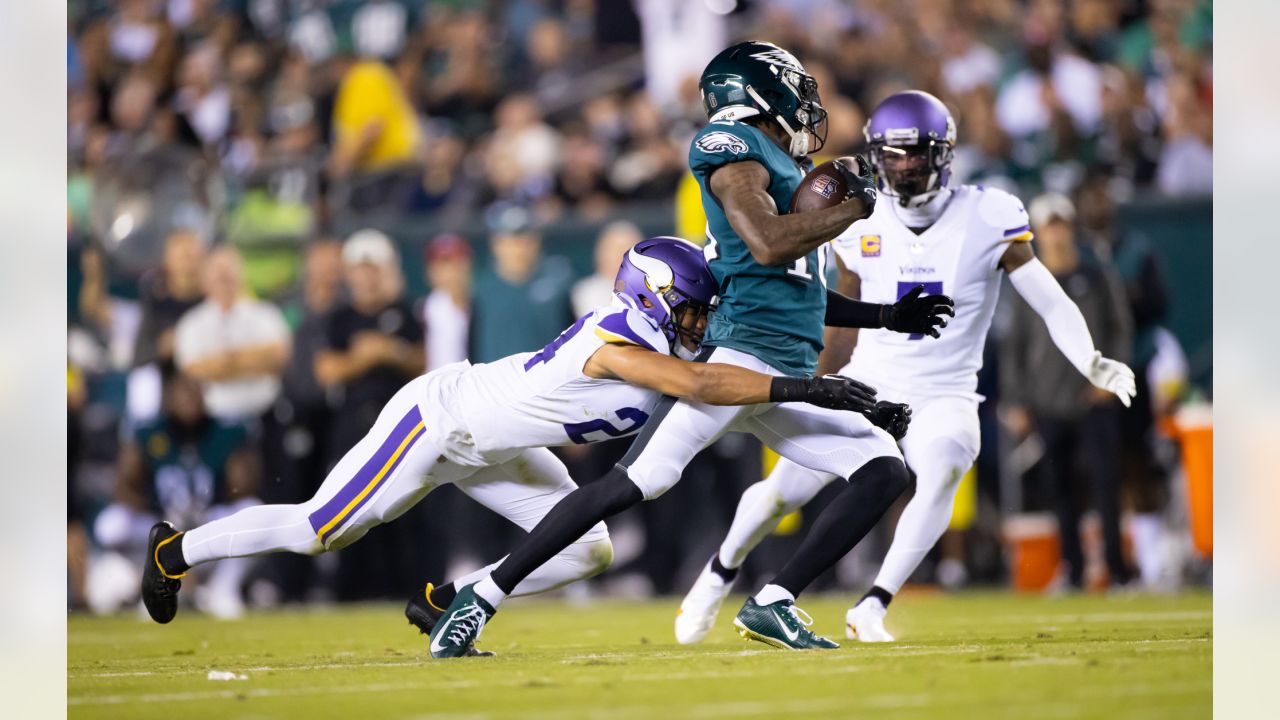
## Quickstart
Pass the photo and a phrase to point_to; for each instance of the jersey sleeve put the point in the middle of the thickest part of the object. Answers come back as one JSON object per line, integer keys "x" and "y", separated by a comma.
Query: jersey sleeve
{"x": 720, "y": 143}
{"x": 1004, "y": 214}
{"x": 632, "y": 327}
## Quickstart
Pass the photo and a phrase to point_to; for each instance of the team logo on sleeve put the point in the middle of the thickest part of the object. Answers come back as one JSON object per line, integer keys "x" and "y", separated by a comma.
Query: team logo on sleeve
{"x": 714, "y": 142}
{"x": 870, "y": 246}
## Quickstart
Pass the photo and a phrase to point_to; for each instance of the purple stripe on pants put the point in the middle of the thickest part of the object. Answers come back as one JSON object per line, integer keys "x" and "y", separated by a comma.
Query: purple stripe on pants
{"x": 365, "y": 475}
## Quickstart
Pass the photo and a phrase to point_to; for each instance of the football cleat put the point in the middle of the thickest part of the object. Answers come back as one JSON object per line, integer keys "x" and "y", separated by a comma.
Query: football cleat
{"x": 701, "y": 605}
{"x": 460, "y": 626}
{"x": 424, "y": 616}
{"x": 160, "y": 589}
{"x": 780, "y": 624}
{"x": 865, "y": 622}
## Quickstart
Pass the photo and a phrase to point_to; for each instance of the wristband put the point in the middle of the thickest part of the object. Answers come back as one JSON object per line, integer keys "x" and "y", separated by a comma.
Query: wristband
{"x": 788, "y": 389}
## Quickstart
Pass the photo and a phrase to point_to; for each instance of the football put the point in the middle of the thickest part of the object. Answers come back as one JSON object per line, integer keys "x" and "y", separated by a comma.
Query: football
{"x": 825, "y": 185}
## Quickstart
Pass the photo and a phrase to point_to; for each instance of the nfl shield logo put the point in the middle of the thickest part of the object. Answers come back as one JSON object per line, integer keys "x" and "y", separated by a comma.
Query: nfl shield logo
{"x": 870, "y": 246}
{"x": 824, "y": 185}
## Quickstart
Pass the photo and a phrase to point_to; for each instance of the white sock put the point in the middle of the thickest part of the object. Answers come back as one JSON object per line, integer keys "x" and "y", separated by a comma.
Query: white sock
{"x": 771, "y": 594}
{"x": 489, "y": 591}
{"x": 579, "y": 561}
{"x": 764, "y": 504}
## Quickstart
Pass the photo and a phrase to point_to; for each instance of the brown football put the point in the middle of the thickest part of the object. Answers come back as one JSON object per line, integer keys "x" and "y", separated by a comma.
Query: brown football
{"x": 823, "y": 187}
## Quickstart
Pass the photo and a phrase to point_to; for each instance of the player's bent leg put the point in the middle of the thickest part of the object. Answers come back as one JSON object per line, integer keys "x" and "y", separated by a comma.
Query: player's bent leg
{"x": 762, "y": 506}
{"x": 940, "y": 448}
{"x": 370, "y": 482}
{"x": 675, "y": 432}
{"x": 832, "y": 442}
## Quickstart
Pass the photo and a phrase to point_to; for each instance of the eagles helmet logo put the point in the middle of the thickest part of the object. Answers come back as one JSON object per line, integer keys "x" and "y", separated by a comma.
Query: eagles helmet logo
{"x": 714, "y": 142}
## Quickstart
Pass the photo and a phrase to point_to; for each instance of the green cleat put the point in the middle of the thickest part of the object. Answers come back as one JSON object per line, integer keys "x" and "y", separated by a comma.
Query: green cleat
{"x": 458, "y": 629}
{"x": 782, "y": 625}
{"x": 423, "y": 614}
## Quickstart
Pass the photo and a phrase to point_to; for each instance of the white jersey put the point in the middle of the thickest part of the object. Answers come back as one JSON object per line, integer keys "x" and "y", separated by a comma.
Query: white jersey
{"x": 958, "y": 255}
{"x": 542, "y": 399}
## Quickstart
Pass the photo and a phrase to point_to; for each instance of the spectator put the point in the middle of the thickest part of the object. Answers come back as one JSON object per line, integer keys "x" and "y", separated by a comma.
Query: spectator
{"x": 373, "y": 343}
{"x": 373, "y": 347}
{"x": 185, "y": 467}
{"x": 447, "y": 309}
{"x": 1078, "y": 423}
{"x": 234, "y": 346}
{"x": 596, "y": 290}
{"x": 375, "y": 128}
{"x": 522, "y": 303}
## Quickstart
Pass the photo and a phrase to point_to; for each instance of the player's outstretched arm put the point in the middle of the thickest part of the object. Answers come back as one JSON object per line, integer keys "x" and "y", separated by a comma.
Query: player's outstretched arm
{"x": 914, "y": 313}
{"x": 773, "y": 239}
{"x": 722, "y": 384}
{"x": 1066, "y": 325}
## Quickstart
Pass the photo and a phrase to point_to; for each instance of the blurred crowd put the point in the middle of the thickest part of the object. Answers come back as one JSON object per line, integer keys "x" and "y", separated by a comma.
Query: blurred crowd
{"x": 227, "y": 344}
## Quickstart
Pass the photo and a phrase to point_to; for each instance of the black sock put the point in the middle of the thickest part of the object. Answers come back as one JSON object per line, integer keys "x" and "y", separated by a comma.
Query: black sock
{"x": 726, "y": 574}
{"x": 442, "y": 596}
{"x": 850, "y": 516}
{"x": 884, "y": 596}
{"x": 569, "y": 520}
{"x": 171, "y": 559}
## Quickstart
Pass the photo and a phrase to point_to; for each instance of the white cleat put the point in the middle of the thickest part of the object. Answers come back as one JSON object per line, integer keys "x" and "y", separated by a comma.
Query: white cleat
{"x": 698, "y": 610}
{"x": 865, "y": 622}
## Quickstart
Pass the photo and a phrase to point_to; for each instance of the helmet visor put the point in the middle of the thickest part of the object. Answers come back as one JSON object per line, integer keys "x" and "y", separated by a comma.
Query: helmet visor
{"x": 910, "y": 170}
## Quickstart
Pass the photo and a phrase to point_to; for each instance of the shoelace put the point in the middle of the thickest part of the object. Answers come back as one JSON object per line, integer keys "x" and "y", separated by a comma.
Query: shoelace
{"x": 467, "y": 622}
{"x": 801, "y": 617}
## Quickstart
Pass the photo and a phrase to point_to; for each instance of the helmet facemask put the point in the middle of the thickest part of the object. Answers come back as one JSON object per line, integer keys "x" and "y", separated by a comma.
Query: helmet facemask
{"x": 912, "y": 172}
{"x": 807, "y": 126}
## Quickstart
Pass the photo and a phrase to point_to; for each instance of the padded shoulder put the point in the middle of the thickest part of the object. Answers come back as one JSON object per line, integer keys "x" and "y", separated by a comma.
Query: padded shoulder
{"x": 723, "y": 142}
{"x": 1003, "y": 212}
{"x": 631, "y": 327}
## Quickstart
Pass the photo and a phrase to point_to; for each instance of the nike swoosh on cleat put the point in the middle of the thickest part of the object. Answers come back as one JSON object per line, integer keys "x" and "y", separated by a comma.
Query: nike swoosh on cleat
{"x": 435, "y": 644}
{"x": 791, "y": 634}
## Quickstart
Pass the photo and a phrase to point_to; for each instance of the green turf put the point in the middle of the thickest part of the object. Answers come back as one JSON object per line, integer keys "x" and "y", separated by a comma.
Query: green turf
{"x": 973, "y": 655}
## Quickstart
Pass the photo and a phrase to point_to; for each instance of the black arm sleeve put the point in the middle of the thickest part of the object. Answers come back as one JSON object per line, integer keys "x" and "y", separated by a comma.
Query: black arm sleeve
{"x": 847, "y": 312}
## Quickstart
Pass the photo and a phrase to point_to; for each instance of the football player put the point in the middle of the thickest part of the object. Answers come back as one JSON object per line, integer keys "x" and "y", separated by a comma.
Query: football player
{"x": 952, "y": 240}
{"x": 485, "y": 429}
{"x": 765, "y": 119}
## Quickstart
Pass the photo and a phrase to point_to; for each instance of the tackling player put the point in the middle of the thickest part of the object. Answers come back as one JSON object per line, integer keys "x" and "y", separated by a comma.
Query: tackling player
{"x": 485, "y": 428}
{"x": 950, "y": 240}
{"x": 765, "y": 119}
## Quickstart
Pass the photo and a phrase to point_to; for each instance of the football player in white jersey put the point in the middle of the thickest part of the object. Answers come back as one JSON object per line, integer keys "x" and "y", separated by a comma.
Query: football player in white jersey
{"x": 950, "y": 240}
{"x": 485, "y": 429}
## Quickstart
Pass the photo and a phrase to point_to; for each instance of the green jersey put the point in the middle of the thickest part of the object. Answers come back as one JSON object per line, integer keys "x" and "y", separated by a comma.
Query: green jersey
{"x": 774, "y": 313}
{"x": 186, "y": 469}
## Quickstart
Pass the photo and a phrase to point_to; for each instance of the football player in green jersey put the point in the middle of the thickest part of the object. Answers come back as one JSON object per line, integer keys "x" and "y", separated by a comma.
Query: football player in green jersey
{"x": 765, "y": 119}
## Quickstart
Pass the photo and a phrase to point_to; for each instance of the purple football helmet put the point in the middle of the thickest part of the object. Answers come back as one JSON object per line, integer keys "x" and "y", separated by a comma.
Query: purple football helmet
{"x": 911, "y": 136}
{"x": 665, "y": 277}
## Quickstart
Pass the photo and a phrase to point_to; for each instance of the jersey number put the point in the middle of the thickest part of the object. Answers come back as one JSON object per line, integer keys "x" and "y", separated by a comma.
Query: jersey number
{"x": 549, "y": 351}
{"x": 578, "y": 432}
{"x": 930, "y": 288}
{"x": 800, "y": 268}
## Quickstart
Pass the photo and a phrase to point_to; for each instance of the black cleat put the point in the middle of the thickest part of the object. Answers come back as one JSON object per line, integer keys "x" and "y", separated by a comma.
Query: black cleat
{"x": 159, "y": 590}
{"x": 424, "y": 616}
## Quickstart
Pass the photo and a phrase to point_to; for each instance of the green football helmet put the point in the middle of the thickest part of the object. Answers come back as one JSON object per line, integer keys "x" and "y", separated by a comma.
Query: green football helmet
{"x": 760, "y": 78}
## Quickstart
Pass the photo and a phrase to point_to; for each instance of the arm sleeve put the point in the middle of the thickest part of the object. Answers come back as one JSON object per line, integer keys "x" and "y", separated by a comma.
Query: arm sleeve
{"x": 1061, "y": 316}
{"x": 849, "y": 313}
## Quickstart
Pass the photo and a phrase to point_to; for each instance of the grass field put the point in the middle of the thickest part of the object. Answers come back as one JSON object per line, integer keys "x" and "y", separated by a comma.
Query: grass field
{"x": 976, "y": 655}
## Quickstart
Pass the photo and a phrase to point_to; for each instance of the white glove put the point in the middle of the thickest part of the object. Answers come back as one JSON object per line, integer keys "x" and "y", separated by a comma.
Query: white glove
{"x": 1113, "y": 376}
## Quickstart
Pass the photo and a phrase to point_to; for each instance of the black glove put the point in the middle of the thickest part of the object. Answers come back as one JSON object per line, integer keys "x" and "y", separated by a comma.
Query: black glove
{"x": 891, "y": 417}
{"x": 836, "y": 392}
{"x": 918, "y": 315}
{"x": 860, "y": 180}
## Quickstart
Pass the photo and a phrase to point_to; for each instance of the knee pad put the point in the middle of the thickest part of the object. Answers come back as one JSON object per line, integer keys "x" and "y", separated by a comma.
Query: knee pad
{"x": 595, "y": 556}
{"x": 887, "y": 475}
{"x": 653, "y": 477}
{"x": 939, "y": 472}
